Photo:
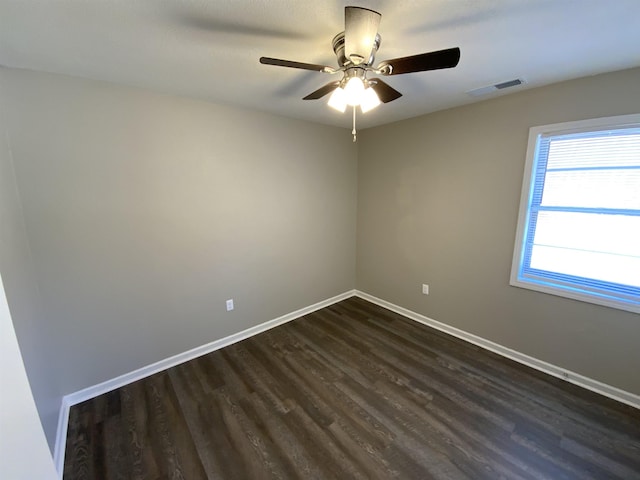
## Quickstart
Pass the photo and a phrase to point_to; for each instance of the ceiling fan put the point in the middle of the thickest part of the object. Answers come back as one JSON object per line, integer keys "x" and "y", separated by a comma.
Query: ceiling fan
{"x": 355, "y": 49}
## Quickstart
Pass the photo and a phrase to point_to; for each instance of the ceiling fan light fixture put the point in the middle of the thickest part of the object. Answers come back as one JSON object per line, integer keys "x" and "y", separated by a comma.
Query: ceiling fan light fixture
{"x": 370, "y": 100}
{"x": 354, "y": 90}
{"x": 355, "y": 49}
{"x": 338, "y": 100}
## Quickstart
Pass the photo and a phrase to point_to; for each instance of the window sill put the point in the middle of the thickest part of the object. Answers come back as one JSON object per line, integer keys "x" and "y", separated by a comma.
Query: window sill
{"x": 576, "y": 294}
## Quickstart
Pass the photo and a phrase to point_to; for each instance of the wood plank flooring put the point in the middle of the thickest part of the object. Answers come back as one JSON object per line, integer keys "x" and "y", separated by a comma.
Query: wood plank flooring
{"x": 352, "y": 391}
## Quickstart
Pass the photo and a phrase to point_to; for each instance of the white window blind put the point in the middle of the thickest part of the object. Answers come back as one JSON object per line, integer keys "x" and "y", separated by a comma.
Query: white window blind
{"x": 579, "y": 227}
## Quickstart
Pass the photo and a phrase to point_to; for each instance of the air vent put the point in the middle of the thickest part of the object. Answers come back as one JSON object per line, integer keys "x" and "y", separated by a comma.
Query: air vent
{"x": 478, "y": 92}
{"x": 510, "y": 83}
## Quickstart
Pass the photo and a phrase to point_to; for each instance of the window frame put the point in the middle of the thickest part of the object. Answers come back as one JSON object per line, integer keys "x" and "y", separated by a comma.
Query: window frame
{"x": 547, "y": 285}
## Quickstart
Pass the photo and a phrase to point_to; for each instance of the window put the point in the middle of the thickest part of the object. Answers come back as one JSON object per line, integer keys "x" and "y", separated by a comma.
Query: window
{"x": 579, "y": 225}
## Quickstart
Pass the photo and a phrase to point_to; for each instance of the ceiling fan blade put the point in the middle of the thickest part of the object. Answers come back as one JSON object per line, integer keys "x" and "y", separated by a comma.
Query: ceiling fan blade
{"x": 322, "y": 91}
{"x": 288, "y": 63}
{"x": 419, "y": 63}
{"x": 360, "y": 30}
{"x": 385, "y": 92}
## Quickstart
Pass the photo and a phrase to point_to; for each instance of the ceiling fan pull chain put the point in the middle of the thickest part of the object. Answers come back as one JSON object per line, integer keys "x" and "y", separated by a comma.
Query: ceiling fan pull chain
{"x": 353, "y": 132}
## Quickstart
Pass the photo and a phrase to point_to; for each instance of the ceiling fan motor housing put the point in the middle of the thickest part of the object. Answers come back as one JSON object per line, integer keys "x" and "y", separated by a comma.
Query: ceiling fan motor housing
{"x": 338, "y": 48}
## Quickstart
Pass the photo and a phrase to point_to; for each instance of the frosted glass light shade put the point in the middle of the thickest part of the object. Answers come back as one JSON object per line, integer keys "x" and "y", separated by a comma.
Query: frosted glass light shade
{"x": 354, "y": 90}
{"x": 338, "y": 100}
{"x": 369, "y": 100}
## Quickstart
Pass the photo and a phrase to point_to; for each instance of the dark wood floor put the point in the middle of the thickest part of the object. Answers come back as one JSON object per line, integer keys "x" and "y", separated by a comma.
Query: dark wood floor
{"x": 352, "y": 391}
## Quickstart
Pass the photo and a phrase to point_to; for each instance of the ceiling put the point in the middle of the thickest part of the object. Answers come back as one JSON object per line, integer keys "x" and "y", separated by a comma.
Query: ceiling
{"x": 209, "y": 49}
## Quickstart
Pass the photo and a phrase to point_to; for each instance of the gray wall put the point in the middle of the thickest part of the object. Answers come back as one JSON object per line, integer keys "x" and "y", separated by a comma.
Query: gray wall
{"x": 438, "y": 201}
{"x": 145, "y": 212}
{"x": 21, "y": 287}
{"x": 25, "y": 453}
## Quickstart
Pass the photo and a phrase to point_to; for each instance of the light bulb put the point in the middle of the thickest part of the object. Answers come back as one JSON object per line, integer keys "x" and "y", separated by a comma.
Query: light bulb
{"x": 354, "y": 90}
{"x": 370, "y": 100}
{"x": 338, "y": 100}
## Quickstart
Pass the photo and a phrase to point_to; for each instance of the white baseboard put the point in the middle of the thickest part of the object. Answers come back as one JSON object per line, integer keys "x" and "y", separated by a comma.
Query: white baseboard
{"x": 61, "y": 437}
{"x": 91, "y": 392}
{"x": 562, "y": 373}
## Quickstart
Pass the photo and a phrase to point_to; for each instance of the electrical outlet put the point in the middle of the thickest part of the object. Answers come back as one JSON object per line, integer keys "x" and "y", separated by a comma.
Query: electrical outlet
{"x": 229, "y": 304}
{"x": 425, "y": 289}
